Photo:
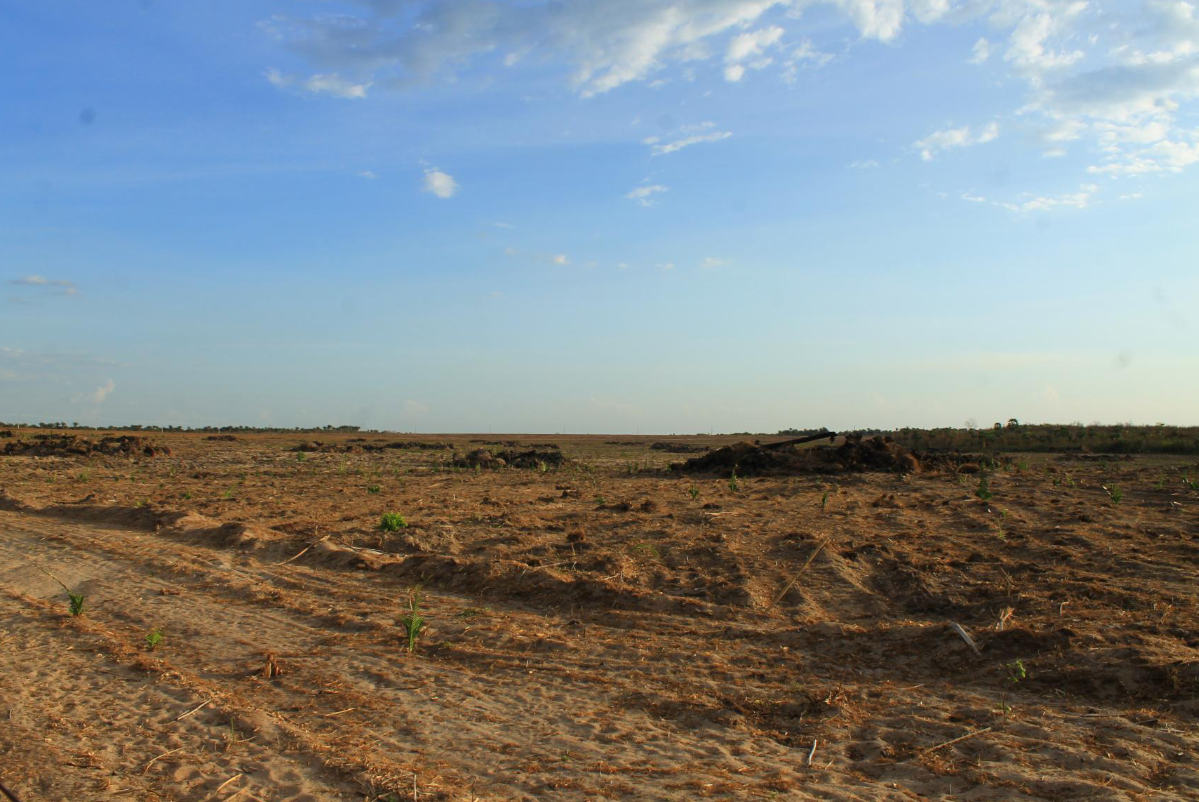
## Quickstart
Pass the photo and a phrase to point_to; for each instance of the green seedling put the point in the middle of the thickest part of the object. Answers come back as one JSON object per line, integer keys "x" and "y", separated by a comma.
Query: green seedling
{"x": 153, "y": 639}
{"x": 984, "y": 489}
{"x": 392, "y": 522}
{"x": 373, "y": 488}
{"x": 301, "y": 456}
{"x": 75, "y": 606}
{"x": 1190, "y": 483}
{"x": 1160, "y": 484}
{"x": 999, "y": 527}
{"x": 1114, "y": 493}
{"x": 228, "y": 494}
{"x": 600, "y": 501}
{"x": 413, "y": 622}
{"x": 824, "y": 501}
{"x": 187, "y": 494}
{"x": 734, "y": 485}
{"x": 1016, "y": 673}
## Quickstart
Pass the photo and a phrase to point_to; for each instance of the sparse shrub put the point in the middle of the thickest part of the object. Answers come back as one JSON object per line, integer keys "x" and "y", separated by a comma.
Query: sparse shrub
{"x": 392, "y": 522}
{"x": 373, "y": 488}
{"x": 984, "y": 489}
{"x": 301, "y": 456}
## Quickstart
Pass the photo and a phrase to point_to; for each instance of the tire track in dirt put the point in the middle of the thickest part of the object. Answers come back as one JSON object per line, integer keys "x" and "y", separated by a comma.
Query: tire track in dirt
{"x": 345, "y": 690}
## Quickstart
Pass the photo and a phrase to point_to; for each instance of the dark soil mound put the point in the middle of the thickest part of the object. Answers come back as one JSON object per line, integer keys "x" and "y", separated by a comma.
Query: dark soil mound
{"x": 855, "y": 455}
{"x": 61, "y": 445}
{"x": 533, "y": 459}
{"x": 228, "y": 438}
{"x": 678, "y": 448}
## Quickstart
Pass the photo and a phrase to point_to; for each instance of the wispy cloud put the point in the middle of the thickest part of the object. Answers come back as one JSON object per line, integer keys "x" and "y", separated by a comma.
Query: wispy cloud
{"x": 320, "y": 84}
{"x": 644, "y": 195}
{"x": 686, "y": 139}
{"x": 97, "y": 396}
{"x": 60, "y": 286}
{"x": 952, "y": 138}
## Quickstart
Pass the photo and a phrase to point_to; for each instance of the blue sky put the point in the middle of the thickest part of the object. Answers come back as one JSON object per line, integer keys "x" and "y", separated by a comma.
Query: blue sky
{"x": 606, "y": 216}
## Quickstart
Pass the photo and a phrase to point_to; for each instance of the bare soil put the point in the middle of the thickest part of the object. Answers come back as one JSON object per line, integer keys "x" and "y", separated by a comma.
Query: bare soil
{"x": 600, "y": 627}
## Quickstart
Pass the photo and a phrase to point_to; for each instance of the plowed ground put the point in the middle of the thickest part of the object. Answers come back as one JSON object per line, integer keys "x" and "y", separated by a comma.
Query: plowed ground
{"x": 602, "y": 630}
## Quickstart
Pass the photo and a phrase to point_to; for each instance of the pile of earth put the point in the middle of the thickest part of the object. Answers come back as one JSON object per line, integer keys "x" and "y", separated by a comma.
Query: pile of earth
{"x": 855, "y": 455}
{"x": 62, "y": 445}
{"x": 228, "y": 438}
{"x": 511, "y": 458}
{"x": 678, "y": 448}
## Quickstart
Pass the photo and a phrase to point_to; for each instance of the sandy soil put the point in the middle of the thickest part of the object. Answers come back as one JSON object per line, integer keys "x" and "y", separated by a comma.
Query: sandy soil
{"x": 600, "y": 630}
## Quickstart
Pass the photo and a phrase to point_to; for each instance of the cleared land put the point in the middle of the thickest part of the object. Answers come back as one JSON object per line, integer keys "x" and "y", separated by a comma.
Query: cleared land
{"x": 599, "y": 629}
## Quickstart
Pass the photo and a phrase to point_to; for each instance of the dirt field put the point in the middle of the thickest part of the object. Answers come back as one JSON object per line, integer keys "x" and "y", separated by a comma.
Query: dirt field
{"x": 603, "y": 628}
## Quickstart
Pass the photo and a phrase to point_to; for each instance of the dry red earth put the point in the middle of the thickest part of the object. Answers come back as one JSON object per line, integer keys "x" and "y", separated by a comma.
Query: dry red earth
{"x": 601, "y": 629}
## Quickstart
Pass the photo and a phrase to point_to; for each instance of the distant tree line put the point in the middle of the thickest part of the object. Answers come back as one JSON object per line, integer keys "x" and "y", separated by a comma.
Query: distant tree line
{"x": 139, "y": 427}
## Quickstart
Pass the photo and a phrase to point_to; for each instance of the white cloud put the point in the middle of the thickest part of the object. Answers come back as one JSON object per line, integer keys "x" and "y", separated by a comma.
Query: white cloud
{"x": 97, "y": 396}
{"x": 439, "y": 183}
{"x": 644, "y": 195}
{"x": 606, "y": 44}
{"x": 868, "y": 164}
{"x": 981, "y": 51}
{"x": 711, "y": 262}
{"x": 320, "y": 84}
{"x": 1073, "y": 200}
{"x": 367, "y": 174}
{"x": 61, "y": 286}
{"x": 1084, "y": 64}
{"x": 750, "y": 47}
{"x": 660, "y": 148}
{"x": 560, "y": 259}
{"x": 952, "y": 138}
{"x": 804, "y": 52}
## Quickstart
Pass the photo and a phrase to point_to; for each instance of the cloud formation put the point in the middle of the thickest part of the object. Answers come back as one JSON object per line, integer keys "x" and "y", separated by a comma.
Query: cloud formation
{"x": 951, "y": 138}
{"x": 1118, "y": 76}
{"x": 320, "y": 84}
{"x": 97, "y": 396}
{"x": 440, "y": 184}
{"x": 61, "y": 286}
{"x": 644, "y": 195}
{"x": 685, "y": 138}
